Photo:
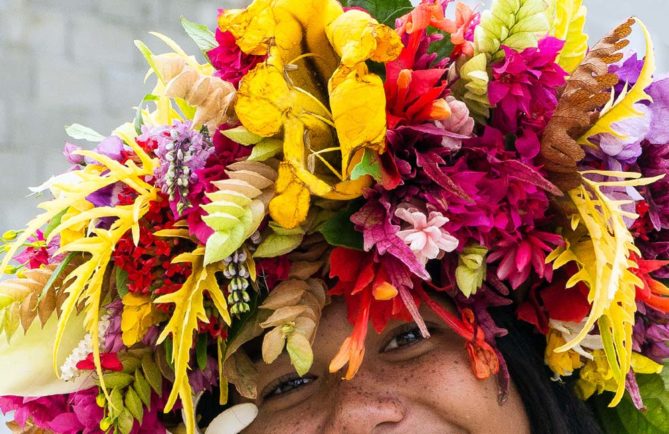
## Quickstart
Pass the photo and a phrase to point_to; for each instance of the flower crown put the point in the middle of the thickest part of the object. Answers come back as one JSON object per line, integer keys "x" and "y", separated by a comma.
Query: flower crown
{"x": 397, "y": 151}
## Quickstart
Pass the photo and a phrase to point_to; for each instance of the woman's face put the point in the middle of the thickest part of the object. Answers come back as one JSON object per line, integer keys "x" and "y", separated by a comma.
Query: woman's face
{"x": 406, "y": 384}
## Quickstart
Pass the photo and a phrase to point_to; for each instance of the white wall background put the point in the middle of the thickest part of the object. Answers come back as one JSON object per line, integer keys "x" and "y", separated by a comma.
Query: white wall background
{"x": 65, "y": 61}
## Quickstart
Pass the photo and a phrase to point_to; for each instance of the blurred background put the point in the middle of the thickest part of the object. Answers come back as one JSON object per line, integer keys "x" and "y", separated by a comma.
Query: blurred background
{"x": 66, "y": 61}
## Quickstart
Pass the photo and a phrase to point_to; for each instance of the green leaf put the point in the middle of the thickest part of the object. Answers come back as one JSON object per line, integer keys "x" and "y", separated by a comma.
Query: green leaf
{"x": 265, "y": 149}
{"x": 114, "y": 380}
{"x": 121, "y": 277}
{"x": 276, "y": 245}
{"x": 368, "y": 165}
{"x": 201, "y": 352}
{"x": 200, "y": 34}
{"x": 626, "y": 419}
{"x": 134, "y": 404}
{"x": 142, "y": 388}
{"x": 53, "y": 223}
{"x": 242, "y": 136}
{"x": 517, "y": 24}
{"x": 301, "y": 355}
{"x": 444, "y": 47}
{"x": 80, "y": 132}
{"x": 385, "y": 11}
{"x": 116, "y": 401}
{"x": 340, "y": 231}
{"x": 56, "y": 273}
{"x": 139, "y": 119}
{"x": 125, "y": 422}
{"x": 152, "y": 373}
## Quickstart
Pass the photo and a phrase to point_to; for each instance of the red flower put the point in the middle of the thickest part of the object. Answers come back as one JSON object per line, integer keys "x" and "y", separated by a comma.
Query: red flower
{"x": 108, "y": 361}
{"x": 654, "y": 293}
{"x": 369, "y": 294}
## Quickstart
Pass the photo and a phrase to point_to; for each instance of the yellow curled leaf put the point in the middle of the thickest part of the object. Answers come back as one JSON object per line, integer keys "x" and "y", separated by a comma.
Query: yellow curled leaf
{"x": 252, "y": 27}
{"x": 290, "y": 206}
{"x": 359, "y": 96}
{"x": 263, "y": 100}
{"x": 356, "y": 37}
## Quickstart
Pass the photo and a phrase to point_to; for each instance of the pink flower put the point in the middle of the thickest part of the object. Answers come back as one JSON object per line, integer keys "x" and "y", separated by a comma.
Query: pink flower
{"x": 519, "y": 257}
{"x": 460, "y": 124}
{"x": 426, "y": 238}
{"x": 230, "y": 61}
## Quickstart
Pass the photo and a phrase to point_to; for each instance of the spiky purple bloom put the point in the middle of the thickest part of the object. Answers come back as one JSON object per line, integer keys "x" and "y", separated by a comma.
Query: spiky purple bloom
{"x": 182, "y": 151}
{"x": 651, "y": 333}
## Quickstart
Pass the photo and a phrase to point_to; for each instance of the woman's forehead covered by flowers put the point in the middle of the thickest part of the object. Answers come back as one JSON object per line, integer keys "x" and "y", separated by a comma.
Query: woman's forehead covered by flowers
{"x": 389, "y": 154}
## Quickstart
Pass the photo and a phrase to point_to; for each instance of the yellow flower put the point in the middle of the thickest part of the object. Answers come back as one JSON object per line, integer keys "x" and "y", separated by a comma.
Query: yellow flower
{"x": 137, "y": 317}
{"x": 562, "y": 364}
{"x": 313, "y": 90}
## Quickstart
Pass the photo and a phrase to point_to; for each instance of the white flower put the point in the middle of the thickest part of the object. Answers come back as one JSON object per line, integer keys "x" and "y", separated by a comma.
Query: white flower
{"x": 426, "y": 238}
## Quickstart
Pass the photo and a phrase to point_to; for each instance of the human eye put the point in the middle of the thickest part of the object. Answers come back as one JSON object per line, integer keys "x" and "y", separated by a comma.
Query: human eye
{"x": 286, "y": 384}
{"x": 405, "y": 336}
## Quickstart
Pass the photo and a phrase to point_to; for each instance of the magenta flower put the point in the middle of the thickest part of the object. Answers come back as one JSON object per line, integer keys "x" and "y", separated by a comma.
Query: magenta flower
{"x": 425, "y": 236}
{"x": 524, "y": 90}
{"x": 518, "y": 257}
{"x": 230, "y": 62}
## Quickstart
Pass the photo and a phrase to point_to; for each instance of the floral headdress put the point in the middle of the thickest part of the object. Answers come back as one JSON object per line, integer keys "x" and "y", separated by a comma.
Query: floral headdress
{"x": 367, "y": 150}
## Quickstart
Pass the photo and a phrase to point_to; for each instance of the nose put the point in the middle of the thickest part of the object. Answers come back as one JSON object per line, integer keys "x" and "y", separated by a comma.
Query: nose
{"x": 360, "y": 406}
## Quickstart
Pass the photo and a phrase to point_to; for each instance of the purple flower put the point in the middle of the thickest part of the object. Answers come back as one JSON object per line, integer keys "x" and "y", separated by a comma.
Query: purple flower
{"x": 651, "y": 334}
{"x": 69, "y": 151}
{"x": 659, "y": 127}
{"x": 627, "y": 148}
{"x": 111, "y": 147}
{"x": 628, "y": 72}
{"x": 203, "y": 380}
{"x": 182, "y": 152}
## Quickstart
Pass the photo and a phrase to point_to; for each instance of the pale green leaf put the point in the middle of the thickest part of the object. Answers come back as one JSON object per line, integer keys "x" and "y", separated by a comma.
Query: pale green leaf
{"x": 301, "y": 355}
{"x": 242, "y": 136}
{"x": 266, "y": 149}
{"x": 200, "y": 34}
{"x": 134, "y": 404}
{"x": 80, "y": 132}
{"x": 276, "y": 245}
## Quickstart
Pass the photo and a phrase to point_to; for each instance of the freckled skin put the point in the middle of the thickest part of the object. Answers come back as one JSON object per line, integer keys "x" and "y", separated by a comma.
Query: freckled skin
{"x": 425, "y": 388}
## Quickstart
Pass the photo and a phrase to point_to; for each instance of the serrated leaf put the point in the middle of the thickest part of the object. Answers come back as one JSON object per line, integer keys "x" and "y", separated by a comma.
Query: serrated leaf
{"x": 80, "y": 132}
{"x": 142, "y": 388}
{"x": 266, "y": 149}
{"x": 134, "y": 404}
{"x": 200, "y": 34}
{"x": 625, "y": 106}
{"x": 568, "y": 25}
{"x": 242, "y": 136}
{"x": 385, "y": 11}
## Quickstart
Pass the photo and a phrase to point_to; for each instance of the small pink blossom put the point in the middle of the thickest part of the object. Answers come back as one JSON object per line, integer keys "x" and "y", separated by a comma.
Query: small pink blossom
{"x": 426, "y": 238}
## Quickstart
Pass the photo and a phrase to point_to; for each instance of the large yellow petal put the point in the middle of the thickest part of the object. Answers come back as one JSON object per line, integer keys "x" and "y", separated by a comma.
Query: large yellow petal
{"x": 359, "y": 96}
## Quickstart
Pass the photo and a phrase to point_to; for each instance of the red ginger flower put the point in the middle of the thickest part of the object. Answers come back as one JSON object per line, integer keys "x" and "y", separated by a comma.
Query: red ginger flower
{"x": 369, "y": 294}
{"x": 432, "y": 13}
{"x": 654, "y": 293}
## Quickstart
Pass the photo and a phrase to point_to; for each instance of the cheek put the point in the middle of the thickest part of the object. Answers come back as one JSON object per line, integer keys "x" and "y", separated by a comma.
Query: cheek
{"x": 440, "y": 385}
